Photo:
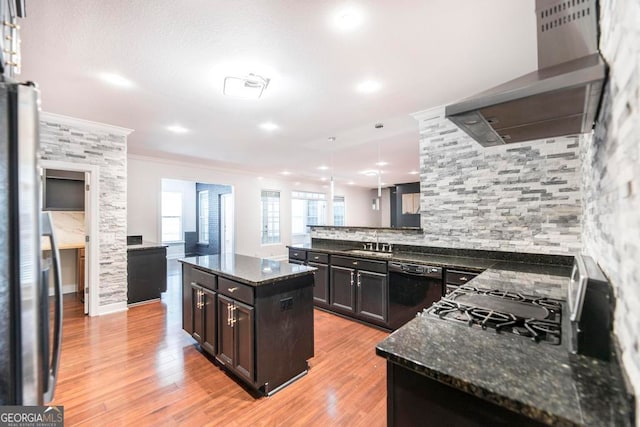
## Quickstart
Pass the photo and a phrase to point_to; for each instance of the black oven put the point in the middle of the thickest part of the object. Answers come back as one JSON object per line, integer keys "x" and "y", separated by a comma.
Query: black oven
{"x": 412, "y": 288}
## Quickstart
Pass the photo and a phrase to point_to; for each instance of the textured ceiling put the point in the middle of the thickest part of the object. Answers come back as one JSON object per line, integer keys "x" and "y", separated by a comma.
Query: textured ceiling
{"x": 424, "y": 53}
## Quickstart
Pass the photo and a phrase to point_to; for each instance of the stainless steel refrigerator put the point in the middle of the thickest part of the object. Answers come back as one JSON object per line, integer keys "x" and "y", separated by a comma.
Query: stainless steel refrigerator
{"x": 29, "y": 341}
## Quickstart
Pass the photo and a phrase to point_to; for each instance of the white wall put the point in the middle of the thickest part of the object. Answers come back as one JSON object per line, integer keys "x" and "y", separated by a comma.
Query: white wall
{"x": 382, "y": 217}
{"x": 144, "y": 186}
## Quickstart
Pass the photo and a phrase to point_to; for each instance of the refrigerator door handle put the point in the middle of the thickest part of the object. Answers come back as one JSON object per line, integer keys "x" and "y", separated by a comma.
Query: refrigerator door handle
{"x": 52, "y": 374}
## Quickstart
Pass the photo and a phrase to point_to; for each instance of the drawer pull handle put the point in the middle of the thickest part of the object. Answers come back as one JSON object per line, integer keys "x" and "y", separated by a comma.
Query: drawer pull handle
{"x": 464, "y": 278}
{"x": 232, "y": 290}
{"x": 316, "y": 257}
{"x": 355, "y": 262}
{"x": 295, "y": 254}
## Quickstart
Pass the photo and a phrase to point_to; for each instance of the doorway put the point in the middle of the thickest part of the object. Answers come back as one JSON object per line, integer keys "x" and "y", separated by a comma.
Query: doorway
{"x": 226, "y": 224}
{"x": 196, "y": 218}
{"x": 70, "y": 192}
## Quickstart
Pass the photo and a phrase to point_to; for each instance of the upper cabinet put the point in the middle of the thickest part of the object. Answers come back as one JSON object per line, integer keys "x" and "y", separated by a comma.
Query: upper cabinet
{"x": 63, "y": 190}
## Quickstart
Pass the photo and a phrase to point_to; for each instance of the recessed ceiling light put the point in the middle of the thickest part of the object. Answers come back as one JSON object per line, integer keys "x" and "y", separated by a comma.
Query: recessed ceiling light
{"x": 248, "y": 87}
{"x": 381, "y": 163}
{"x": 369, "y": 172}
{"x": 285, "y": 173}
{"x": 324, "y": 178}
{"x": 368, "y": 86}
{"x": 260, "y": 178}
{"x": 414, "y": 173}
{"x": 269, "y": 126}
{"x": 323, "y": 168}
{"x": 348, "y": 19}
{"x": 116, "y": 80}
{"x": 350, "y": 182}
{"x": 296, "y": 183}
{"x": 177, "y": 129}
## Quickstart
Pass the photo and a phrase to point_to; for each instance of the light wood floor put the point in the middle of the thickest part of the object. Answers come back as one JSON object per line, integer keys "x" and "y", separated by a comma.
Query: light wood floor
{"x": 140, "y": 368}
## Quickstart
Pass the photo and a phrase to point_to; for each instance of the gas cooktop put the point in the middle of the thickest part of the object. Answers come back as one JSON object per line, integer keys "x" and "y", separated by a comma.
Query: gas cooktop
{"x": 536, "y": 318}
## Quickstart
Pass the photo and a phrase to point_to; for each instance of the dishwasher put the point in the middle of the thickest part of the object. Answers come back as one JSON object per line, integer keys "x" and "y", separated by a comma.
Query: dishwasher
{"x": 412, "y": 288}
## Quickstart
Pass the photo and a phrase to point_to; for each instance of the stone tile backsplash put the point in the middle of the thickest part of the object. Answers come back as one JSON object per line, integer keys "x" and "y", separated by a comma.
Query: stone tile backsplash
{"x": 522, "y": 197}
{"x": 76, "y": 142}
{"x": 611, "y": 176}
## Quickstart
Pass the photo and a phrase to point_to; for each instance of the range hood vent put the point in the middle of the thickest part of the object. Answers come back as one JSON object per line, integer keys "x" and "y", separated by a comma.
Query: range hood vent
{"x": 560, "y": 98}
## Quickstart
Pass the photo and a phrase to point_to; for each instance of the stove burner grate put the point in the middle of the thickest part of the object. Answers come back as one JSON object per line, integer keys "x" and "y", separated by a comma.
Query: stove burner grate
{"x": 536, "y": 318}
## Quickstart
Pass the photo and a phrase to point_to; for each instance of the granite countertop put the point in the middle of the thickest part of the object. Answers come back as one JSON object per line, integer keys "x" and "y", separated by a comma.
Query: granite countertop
{"x": 476, "y": 264}
{"x": 146, "y": 245}
{"x": 250, "y": 270}
{"x": 69, "y": 230}
{"x": 542, "y": 381}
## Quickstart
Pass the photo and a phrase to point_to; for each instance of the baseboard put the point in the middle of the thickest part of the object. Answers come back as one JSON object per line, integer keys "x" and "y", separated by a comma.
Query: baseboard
{"x": 112, "y": 308}
{"x": 69, "y": 288}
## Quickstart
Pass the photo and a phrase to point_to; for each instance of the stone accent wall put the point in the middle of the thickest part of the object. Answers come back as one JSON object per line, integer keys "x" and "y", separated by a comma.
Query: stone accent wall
{"x": 76, "y": 141}
{"x": 522, "y": 197}
{"x": 611, "y": 176}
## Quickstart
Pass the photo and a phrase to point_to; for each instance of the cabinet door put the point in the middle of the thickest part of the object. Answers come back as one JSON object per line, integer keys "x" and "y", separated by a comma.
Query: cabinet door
{"x": 198, "y": 312}
{"x": 342, "y": 288}
{"x": 244, "y": 338}
{"x": 321, "y": 286}
{"x": 372, "y": 296}
{"x": 225, "y": 350}
{"x": 209, "y": 319}
{"x": 187, "y": 301}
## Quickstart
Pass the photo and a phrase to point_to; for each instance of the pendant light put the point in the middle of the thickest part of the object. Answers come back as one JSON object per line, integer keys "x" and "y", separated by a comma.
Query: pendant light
{"x": 332, "y": 139}
{"x": 379, "y": 164}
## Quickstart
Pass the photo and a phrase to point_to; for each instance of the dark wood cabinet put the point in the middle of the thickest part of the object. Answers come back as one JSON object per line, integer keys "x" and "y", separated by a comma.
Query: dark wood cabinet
{"x": 343, "y": 296}
{"x": 372, "y": 292}
{"x": 236, "y": 336}
{"x": 416, "y": 400}
{"x": 201, "y": 310}
{"x": 456, "y": 278}
{"x": 146, "y": 274}
{"x": 262, "y": 334}
{"x": 321, "y": 285}
{"x": 321, "y": 291}
{"x": 359, "y": 292}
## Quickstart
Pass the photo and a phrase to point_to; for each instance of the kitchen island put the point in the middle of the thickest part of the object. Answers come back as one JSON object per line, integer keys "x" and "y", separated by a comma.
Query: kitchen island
{"x": 253, "y": 315}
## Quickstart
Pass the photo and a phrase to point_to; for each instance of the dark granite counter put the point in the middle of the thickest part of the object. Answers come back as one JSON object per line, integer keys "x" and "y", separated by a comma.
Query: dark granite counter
{"x": 250, "y": 270}
{"x": 469, "y": 263}
{"x": 146, "y": 245}
{"x": 544, "y": 382}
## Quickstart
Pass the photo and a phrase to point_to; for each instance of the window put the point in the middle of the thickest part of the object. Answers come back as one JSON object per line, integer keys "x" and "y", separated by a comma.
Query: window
{"x": 203, "y": 217}
{"x": 171, "y": 216}
{"x": 270, "y": 208}
{"x": 338, "y": 210}
{"x": 306, "y": 209}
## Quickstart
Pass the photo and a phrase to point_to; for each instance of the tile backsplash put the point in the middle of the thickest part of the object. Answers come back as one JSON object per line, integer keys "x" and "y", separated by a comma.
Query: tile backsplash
{"x": 522, "y": 197}
{"x": 611, "y": 176}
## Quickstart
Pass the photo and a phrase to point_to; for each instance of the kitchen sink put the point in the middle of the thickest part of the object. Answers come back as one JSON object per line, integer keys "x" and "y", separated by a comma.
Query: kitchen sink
{"x": 371, "y": 253}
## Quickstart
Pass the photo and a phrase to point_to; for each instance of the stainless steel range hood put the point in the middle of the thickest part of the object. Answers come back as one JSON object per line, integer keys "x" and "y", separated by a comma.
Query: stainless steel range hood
{"x": 560, "y": 98}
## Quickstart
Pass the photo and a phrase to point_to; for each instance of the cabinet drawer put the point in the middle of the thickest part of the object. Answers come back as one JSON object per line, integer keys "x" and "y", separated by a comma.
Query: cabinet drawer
{"x": 360, "y": 264}
{"x": 235, "y": 290}
{"x": 456, "y": 277}
{"x": 298, "y": 254}
{"x": 204, "y": 279}
{"x": 318, "y": 257}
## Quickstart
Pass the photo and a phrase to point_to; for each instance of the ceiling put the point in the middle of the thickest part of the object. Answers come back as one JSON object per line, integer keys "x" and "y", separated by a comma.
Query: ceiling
{"x": 423, "y": 53}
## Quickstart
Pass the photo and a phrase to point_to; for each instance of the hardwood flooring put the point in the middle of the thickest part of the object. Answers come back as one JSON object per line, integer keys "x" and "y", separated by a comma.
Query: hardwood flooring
{"x": 140, "y": 368}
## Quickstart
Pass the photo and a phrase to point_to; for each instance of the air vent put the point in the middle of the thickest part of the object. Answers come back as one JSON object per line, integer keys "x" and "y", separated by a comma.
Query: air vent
{"x": 574, "y": 22}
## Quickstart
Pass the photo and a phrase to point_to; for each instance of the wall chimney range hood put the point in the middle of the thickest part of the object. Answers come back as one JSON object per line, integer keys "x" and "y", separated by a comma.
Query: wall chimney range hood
{"x": 560, "y": 98}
